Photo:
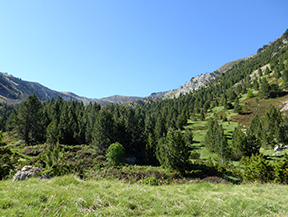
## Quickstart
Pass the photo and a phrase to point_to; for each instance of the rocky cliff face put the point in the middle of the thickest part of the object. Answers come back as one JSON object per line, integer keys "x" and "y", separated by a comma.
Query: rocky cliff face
{"x": 193, "y": 84}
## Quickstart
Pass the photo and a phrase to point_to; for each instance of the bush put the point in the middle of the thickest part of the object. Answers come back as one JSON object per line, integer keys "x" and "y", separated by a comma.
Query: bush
{"x": 7, "y": 162}
{"x": 115, "y": 153}
{"x": 256, "y": 168}
{"x": 194, "y": 154}
{"x": 250, "y": 94}
{"x": 281, "y": 171}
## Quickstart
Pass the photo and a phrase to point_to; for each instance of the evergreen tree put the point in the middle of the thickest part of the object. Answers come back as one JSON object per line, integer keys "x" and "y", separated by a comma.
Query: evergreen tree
{"x": 255, "y": 84}
{"x": 260, "y": 72}
{"x": 151, "y": 151}
{"x": 210, "y": 139}
{"x": 52, "y": 133}
{"x": 160, "y": 128}
{"x": 182, "y": 120}
{"x": 216, "y": 141}
{"x": 103, "y": 131}
{"x": 248, "y": 145}
{"x": 29, "y": 119}
{"x": 221, "y": 145}
{"x": 68, "y": 125}
{"x": 232, "y": 95}
{"x": 264, "y": 89}
{"x": 272, "y": 124}
{"x": 172, "y": 151}
{"x": 277, "y": 74}
{"x": 202, "y": 116}
{"x": 188, "y": 136}
{"x": 237, "y": 107}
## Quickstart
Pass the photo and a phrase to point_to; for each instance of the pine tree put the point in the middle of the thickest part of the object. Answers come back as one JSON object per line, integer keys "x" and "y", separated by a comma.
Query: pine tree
{"x": 216, "y": 141}
{"x": 264, "y": 89}
{"x": 151, "y": 151}
{"x": 255, "y": 84}
{"x": 103, "y": 131}
{"x": 172, "y": 151}
{"x": 68, "y": 125}
{"x": 237, "y": 107}
{"x": 277, "y": 73}
{"x": 29, "y": 120}
{"x": 248, "y": 144}
{"x": 160, "y": 128}
{"x": 181, "y": 121}
{"x": 221, "y": 145}
{"x": 52, "y": 133}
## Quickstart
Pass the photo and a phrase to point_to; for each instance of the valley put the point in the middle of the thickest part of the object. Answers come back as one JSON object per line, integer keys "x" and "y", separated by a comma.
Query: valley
{"x": 204, "y": 149}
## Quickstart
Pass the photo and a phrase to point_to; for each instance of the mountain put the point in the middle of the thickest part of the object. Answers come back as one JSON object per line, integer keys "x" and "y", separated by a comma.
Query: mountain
{"x": 205, "y": 79}
{"x": 197, "y": 82}
{"x": 193, "y": 84}
{"x": 14, "y": 90}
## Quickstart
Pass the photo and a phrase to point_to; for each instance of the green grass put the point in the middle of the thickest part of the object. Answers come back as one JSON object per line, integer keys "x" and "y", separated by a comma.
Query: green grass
{"x": 200, "y": 129}
{"x": 69, "y": 196}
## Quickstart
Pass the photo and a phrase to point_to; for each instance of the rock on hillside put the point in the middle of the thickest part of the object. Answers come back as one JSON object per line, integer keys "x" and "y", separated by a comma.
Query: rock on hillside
{"x": 158, "y": 95}
{"x": 193, "y": 84}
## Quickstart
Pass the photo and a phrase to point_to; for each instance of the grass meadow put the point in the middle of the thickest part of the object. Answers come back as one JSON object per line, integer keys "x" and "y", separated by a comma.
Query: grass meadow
{"x": 70, "y": 196}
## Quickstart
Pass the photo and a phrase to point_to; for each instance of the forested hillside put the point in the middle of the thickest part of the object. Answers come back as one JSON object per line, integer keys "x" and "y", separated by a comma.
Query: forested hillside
{"x": 202, "y": 133}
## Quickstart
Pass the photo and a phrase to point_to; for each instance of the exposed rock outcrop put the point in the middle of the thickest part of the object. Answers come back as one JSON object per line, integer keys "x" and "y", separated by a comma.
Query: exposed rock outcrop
{"x": 193, "y": 84}
{"x": 27, "y": 172}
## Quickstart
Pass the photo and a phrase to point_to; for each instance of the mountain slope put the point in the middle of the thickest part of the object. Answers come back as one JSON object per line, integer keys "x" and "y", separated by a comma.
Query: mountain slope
{"x": 206, "y": 79}
{"x": 193, "y": 84}
{"x": 14, "y": 90}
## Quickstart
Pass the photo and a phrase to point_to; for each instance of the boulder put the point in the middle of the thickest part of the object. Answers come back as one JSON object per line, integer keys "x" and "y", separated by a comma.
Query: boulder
{"x": 27, "y": 172}
{"x": 131, "y": 160}
{"x": 277, "y": 148}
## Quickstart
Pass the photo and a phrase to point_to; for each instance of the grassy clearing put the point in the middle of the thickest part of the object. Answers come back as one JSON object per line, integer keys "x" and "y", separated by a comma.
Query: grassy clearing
{"x": 69, "y": 196}
{"x": 200, "y": 129}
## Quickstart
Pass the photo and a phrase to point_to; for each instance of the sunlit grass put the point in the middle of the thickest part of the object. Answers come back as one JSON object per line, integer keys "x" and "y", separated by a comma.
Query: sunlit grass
{"x": 70, "y": 196}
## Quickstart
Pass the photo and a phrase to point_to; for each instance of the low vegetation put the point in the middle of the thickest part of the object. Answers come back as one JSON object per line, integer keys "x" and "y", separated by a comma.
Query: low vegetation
{"x": 71, "y": 196}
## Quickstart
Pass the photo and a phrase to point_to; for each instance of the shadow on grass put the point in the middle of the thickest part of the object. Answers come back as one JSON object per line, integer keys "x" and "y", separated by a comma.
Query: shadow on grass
{"x": 245, "y": 113}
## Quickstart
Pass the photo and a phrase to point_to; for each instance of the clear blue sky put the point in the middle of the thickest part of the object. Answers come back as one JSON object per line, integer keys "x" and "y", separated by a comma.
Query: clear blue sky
{"x": 130, "y": 47}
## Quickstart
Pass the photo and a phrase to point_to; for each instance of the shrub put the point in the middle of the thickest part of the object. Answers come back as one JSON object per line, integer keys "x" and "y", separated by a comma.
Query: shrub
{"x": 250, "y": 94}
{"x": 281, "y": 171}
{"x": 256, "y": 168}
{"x": 115, "y": 153}
{"x": 194, "y": 154}
{"x": 7, "y": 161}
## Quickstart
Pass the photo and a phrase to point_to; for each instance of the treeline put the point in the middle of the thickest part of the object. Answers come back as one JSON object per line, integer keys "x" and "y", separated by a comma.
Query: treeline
{"x": 149, "y": 130}
{"x": 71, "y": 123}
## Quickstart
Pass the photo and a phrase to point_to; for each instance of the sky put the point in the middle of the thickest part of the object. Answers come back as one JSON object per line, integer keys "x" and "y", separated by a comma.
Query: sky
{"x": 102, "y": 48}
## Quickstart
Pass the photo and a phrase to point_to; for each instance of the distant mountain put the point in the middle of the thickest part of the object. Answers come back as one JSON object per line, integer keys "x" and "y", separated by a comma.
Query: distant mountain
{"x": 14, "y": 90}
{"x": 116, "y": 99}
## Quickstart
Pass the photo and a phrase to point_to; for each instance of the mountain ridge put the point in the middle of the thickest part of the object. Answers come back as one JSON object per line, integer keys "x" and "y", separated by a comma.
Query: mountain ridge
{"x": 15, "y": 90}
